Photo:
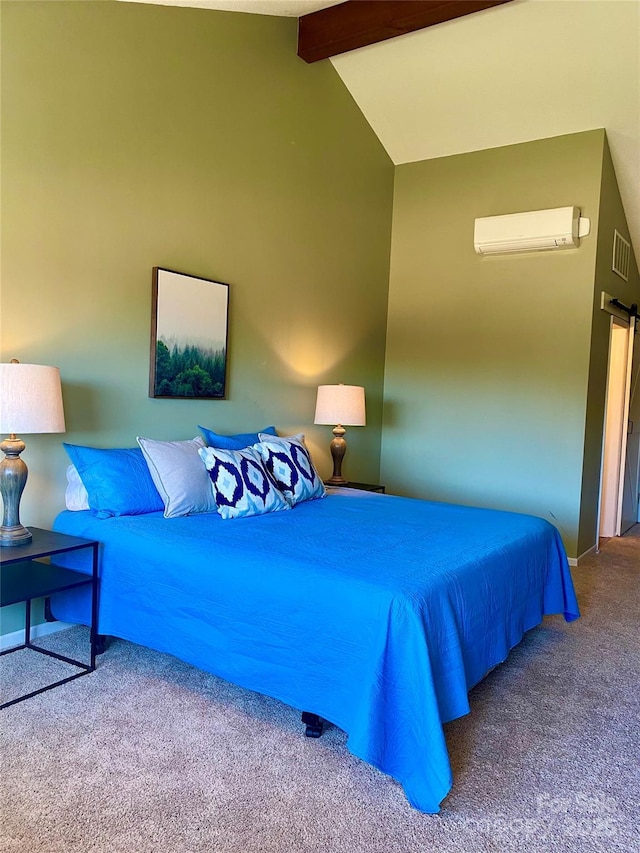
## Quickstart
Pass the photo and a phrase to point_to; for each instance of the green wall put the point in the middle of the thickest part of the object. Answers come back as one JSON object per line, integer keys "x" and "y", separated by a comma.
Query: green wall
{"x": 136, "y": 136}
{"x": 611, "y": 217}
{"x": 488, "y": 357}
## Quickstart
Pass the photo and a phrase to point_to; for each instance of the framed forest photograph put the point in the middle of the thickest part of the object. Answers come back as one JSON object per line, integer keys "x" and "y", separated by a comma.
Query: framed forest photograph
{"x": 189, "y": 325}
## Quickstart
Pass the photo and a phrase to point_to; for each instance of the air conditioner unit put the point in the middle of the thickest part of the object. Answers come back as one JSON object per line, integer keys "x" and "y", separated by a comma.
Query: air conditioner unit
{"x": 536, "y": 231}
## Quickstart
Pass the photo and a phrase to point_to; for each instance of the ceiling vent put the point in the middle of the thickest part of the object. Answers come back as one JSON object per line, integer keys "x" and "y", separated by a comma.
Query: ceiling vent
{"x": 621, "y": 255}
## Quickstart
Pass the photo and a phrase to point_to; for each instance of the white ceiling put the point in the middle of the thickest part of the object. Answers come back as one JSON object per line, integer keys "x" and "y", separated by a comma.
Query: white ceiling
{"x": 528, "y": 69}
{"x": 280, "y": 8}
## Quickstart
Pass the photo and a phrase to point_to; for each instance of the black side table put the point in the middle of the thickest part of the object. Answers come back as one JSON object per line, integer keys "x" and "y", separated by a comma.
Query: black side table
{"x": 23, "y": 578}
{"x": 365, "y": 487}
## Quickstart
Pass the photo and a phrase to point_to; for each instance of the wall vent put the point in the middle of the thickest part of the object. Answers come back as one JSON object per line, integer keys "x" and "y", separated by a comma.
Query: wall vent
{"x": 621, "y": 255}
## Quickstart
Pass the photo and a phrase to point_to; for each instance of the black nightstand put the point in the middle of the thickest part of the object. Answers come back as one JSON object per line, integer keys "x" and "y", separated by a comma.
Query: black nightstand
{"x": 365, "y": 487}
{"x": 24, "y": 577}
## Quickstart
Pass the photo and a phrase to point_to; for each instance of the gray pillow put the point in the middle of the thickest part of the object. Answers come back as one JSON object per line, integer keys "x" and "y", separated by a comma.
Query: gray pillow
{"x": 179, "y": 475}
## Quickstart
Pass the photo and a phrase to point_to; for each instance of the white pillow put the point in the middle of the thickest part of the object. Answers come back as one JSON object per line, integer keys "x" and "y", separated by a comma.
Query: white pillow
{"x": 76, "y": 497}
{"x": 179, "y": 475}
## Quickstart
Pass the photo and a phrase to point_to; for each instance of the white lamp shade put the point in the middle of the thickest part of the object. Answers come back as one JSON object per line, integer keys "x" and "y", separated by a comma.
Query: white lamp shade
{"x": 340, "y": 404}
{"x": 30, "y": 399}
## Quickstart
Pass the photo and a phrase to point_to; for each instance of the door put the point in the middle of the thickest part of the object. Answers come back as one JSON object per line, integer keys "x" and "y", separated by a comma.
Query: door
{"x": 617, "y": 478}
{"x": 629, "y": 487}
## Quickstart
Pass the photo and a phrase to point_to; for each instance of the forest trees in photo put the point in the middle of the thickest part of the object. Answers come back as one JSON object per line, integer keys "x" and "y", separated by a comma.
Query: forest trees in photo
{"x": 189, "y": 371}
{"x": 188, "y": 336}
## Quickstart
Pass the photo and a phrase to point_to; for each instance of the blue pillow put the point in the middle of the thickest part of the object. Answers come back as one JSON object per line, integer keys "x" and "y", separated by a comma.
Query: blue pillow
{"x": 117, "y": 481}
{"x": 289, "y": 463}
{"x": 240, "y": 483}
{"x": 233, "y": 442}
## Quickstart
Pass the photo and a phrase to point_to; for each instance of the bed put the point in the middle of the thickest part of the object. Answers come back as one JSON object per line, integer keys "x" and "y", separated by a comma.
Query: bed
{"x": 375, "y": 612}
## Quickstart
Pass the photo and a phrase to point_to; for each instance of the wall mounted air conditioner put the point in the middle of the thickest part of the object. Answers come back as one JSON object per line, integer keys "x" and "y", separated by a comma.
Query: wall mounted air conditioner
{"x": 536, "y": 231}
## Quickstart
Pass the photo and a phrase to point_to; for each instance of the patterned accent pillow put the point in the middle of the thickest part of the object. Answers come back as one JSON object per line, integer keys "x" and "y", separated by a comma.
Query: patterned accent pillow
{"x": 241, "y": 485}
{"x": 289, "y": 463}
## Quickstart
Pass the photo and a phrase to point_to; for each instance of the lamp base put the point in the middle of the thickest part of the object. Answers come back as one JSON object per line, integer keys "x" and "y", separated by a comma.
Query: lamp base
{"x": 336, "y": 481}
{"x": 14, "y": 536}
{"x": 338, "y": 448}
{"x": 13, "y": 478}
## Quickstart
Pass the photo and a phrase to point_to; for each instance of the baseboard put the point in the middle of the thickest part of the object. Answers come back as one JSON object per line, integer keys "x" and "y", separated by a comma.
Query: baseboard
{"x": 575, "y": 561}
{"x": 16, "y": 638}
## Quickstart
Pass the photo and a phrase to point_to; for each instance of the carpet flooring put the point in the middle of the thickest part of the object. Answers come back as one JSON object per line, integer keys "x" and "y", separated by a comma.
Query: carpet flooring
{"x": 149, "y": 754}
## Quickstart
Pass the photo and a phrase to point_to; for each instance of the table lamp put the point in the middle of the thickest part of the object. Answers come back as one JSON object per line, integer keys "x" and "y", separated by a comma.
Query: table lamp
{"x": 341, "y": 405}
{"x": 30, "y": 402}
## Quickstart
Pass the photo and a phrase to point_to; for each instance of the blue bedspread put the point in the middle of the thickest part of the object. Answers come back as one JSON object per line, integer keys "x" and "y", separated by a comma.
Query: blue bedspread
{"x": 376, "y": 612}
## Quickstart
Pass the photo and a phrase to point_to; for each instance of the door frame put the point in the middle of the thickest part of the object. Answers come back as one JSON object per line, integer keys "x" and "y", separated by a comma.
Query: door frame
{"x": 615, "y": 424}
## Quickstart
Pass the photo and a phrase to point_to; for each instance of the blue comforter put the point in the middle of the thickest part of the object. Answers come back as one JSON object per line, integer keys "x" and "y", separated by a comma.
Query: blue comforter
{"x": 378, "y": 613}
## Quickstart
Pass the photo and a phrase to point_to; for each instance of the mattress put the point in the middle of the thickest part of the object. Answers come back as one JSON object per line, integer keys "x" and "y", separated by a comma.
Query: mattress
{"x": 376, "y": 612}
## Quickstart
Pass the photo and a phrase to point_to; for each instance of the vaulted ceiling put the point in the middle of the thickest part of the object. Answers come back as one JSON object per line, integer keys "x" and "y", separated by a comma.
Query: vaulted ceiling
{"x": 517, "y": 71}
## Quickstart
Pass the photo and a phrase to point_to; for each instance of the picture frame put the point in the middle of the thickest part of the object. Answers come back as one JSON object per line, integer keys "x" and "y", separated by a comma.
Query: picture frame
{"x": 189, "y": 331}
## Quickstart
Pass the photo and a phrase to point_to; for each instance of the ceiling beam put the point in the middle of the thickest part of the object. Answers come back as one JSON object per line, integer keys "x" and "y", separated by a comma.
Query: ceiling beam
{"x": 358, "y": 23}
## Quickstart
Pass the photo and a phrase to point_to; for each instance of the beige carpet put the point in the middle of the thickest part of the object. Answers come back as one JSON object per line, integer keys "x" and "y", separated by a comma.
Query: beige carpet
{"x": 149, "y": 754}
